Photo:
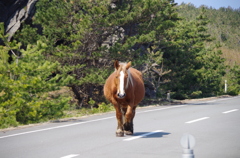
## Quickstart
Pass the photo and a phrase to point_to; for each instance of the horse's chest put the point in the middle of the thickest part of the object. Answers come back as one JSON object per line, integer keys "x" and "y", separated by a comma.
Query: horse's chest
{"x": 123, "y": 102}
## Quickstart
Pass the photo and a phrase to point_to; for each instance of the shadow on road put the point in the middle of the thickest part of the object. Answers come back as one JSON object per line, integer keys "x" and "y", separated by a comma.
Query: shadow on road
{"x": 154, "y": 135}
{"x": 204, "y": 103}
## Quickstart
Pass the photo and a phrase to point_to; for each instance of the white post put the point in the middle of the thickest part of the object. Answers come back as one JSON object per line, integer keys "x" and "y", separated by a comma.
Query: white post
{"x": 168, "y": 96}
{"x": 225, "y": 89}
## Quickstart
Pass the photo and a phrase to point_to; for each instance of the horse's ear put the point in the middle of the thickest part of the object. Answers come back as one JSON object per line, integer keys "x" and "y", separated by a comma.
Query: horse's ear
{"x": 128, "y": 65}
{"x": 116, "y": 64}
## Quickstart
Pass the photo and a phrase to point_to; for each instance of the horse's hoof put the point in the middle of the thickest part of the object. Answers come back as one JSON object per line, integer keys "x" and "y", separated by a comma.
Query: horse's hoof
{"x": 128, "y": 132}
{"x": 119, "y": 133}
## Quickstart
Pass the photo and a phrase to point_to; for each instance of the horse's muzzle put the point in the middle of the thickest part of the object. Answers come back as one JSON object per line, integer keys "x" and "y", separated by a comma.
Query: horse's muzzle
{"x": 121, "y": 95}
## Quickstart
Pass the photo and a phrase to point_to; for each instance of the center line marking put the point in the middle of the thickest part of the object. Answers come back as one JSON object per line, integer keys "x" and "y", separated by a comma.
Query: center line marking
{"x": 143, "y": 135}
{"x": 200, "y": 119}
{"x": 70, "y": 156}
{"x": 230, "y": 111}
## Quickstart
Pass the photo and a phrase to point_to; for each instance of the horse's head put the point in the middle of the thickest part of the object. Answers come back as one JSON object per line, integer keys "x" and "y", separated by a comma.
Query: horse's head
{"x": 121, "y": 79}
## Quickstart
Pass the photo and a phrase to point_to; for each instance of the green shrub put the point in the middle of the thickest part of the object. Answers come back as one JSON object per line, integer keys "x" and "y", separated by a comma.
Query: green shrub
{"x": 233, "y": 91}
{"x": 103, "y": 107}
{"x": 196, "y": 94}
{"x": 179, "y": 95}
{"x": 25, "y": 84}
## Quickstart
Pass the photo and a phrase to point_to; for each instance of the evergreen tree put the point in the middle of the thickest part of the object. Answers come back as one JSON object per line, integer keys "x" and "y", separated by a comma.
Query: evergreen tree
{"x": 85, "y": 37}
{"x": 233, "y": 80}
{"x": 76, "y": 33}
{"x": 25, "y": 83}
{"x": 223, "y": 26}
{"x": 187, "y": 55}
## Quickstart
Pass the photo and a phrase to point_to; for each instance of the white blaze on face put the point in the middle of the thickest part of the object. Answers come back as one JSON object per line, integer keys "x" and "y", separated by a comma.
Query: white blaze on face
{"x": 121, "y": 91}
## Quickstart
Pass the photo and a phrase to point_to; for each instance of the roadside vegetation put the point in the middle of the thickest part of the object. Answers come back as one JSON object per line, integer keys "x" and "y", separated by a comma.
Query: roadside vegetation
{"x": 56, "y": 64}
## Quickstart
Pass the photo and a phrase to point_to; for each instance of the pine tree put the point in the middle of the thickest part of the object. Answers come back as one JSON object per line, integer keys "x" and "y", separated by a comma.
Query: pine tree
{"x": 76, "y": 33}
{"x": 188, "y": 56}
{"x": 25, "y": 83}
{"x": 223, "y": 26}
{"x": 233, "y": 80}
{"x": 86, "y": 37}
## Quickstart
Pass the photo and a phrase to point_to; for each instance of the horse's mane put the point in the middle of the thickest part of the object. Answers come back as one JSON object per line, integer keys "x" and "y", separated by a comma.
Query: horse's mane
{"x": 129, "y": 79}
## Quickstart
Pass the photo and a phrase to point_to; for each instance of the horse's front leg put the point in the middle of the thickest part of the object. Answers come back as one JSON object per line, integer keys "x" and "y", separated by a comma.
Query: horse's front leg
{"x": 128, "y": 125}
{"x": 119, "y": 132}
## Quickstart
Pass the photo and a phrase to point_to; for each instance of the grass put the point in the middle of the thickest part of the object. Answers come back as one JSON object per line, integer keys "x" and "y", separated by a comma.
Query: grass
{"x": 231, "y": 56}
{"x": 102, "y": 108}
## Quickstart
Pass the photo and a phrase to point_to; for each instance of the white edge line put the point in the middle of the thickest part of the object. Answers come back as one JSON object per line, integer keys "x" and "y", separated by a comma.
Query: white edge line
{"x": 46, "y": 129}
{"x": 178, "y": 106}
{"x": 214, "y": 100}
{"x": 230, "y": 111}
{"x": 200, "y": 119}
{"x": 70, "y": 156}
{"x": 143, "y": 135}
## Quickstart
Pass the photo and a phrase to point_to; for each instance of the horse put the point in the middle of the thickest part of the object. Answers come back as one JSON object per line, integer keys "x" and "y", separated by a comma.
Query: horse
{"x": 124, "y": 88}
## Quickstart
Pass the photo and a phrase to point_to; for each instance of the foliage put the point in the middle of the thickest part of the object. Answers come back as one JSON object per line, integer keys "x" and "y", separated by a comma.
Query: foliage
{"x": 233, "y": 81}
{"x": 78, "y": 33}
{"x": 72, "y": 31}
{"x": 195, "y": 64}
{"x": 166, "y": 48}
{"x": 154, "y": 71}
{"x": 25, "y": 84}
{"x": 224, "y": 25}
{"x": 91, "y": 102}
{"x": 101, "y": 108}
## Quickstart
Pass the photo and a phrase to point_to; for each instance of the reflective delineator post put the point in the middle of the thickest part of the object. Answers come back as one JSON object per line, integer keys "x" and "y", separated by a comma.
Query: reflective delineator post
{"x": 225, "y": 88}
{"x": 187, "y": 142}
{"x": 168, "y": 96}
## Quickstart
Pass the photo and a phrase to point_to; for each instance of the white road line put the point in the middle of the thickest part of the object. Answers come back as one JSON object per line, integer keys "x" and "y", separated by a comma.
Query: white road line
{"x": 216, "y": 100}
{"x": 200, "y": 119}
{"x": 143, "y": 135}
{"x": 230, "y": 111}
{"x": 70, "y": 156}
{"x": 46, "y": 129}
{"x": 171, "y": 107}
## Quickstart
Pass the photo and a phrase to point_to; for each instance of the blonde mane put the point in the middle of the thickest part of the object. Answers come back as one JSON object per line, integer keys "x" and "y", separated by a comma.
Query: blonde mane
{"x": 129, "y": 79}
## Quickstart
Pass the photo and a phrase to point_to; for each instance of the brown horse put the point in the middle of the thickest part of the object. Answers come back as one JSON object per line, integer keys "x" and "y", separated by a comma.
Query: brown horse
{"x": 124, "y": 88}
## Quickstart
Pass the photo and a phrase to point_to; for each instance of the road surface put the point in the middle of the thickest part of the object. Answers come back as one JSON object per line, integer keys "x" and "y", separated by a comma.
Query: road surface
{"x": 158, "y": 130}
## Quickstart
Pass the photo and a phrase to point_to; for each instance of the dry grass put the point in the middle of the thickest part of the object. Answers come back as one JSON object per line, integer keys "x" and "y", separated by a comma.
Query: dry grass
{"x": 231, "y": 56}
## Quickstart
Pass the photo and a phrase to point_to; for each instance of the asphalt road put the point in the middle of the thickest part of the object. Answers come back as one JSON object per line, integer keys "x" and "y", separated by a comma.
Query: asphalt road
{"x": 158, "y": 130}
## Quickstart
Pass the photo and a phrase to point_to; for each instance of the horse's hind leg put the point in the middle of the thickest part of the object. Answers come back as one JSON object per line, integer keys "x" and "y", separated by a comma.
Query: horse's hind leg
{"x": 128, "y": 125}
